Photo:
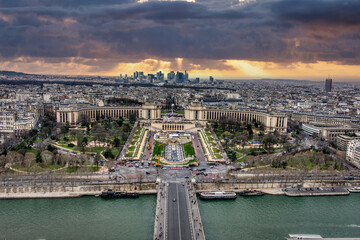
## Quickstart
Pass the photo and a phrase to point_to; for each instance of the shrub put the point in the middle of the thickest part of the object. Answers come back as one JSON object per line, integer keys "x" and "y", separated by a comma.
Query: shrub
{"x": 51, "y": 148}
{"x": 108, "y": 154}
{"x": 38, "y": 158}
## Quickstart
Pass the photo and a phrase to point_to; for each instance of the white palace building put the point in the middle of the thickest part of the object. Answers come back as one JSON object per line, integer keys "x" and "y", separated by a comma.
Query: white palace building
{"x": 195, "y": 114}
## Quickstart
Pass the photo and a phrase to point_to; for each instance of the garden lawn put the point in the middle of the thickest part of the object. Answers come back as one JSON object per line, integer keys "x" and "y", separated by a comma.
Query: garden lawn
{"x": 189, "y": 149}
{"x": 158, "y": 149}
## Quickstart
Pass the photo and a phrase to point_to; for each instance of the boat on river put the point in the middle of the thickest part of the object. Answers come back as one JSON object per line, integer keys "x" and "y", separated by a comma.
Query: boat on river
{"x": 304, "y": 236}
{"x": 217, "y": 195}
{"x": 251, "y": 193}
{"x": 354, "y": 190}
{"x": 110, "y": 194}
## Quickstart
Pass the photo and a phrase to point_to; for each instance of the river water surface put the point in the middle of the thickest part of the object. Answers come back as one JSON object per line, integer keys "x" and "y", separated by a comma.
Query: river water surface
{"x": 274, "y": 217}
{"x": 248, "y": 218}
{"x": 78, "y": 218}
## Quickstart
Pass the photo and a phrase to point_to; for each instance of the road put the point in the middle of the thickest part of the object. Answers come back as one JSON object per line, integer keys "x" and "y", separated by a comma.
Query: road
{"x": 200, "y": 156}
{"x": 204, "y": 173}
{"x": 178, "y": 221}
{"x": 149, "y": 152}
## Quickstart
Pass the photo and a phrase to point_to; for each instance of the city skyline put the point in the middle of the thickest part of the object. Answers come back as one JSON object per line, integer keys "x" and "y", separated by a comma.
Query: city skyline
{"x": 225, "y": 39}
{"x": 180, "y": 119}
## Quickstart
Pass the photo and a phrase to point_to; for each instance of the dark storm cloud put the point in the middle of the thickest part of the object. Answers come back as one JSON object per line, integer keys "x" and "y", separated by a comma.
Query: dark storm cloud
{"x": 319, "y": 11}
{"x": 279, "y": 31}
{"x": 61, "y": 3}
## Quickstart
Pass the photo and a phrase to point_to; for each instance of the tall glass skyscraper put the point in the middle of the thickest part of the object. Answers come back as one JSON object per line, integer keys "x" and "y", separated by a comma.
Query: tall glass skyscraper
{"x": 328, "y": 84}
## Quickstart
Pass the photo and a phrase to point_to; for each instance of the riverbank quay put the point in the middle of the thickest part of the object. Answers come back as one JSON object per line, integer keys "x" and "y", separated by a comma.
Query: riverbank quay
{"x": 43, "y": 195}
{"x": 323, "y": 238}
{"x": 71, "y": 192}
{"x": 319, "y": 191}
{"x": 71, "y": 185}
{"x": 238, "y": 186}
{"x": 317, "y": 238}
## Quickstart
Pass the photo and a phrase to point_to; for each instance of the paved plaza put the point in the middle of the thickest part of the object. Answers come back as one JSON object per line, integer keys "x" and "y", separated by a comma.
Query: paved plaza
{"x": 174, "y": 153}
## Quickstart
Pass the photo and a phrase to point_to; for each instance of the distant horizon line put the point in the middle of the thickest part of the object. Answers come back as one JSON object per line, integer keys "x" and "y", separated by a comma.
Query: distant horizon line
{"x": 225, "y": 79}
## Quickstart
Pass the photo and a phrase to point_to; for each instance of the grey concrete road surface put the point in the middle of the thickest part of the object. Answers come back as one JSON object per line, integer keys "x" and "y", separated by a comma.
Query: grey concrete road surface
{"x": 178, "y": 222}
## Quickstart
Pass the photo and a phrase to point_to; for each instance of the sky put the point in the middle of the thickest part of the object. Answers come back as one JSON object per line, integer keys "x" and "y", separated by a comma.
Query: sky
{"x": 228, "y": 39}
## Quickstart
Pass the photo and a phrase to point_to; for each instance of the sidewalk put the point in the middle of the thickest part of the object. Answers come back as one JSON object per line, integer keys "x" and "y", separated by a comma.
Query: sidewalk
{"x": 194, "y": 213}
{"x": 159, "y": 223}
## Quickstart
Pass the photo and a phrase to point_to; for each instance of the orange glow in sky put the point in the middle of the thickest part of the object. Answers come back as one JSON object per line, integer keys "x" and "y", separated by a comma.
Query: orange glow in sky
{"x": 236, "y": 69}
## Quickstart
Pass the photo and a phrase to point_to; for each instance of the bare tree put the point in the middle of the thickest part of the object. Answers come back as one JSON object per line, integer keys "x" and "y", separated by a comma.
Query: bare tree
{"x": 98, "y": 133}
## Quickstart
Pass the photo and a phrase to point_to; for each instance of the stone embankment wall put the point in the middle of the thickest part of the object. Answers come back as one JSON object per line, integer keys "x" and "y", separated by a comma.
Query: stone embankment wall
{"x": 76, "y": 191}
{"x": 236, "y": 186}
{"x": 52, "y": 191}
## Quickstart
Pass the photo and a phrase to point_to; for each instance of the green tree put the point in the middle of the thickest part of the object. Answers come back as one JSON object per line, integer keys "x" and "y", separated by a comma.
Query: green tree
{"x": 98, "y": 133}
{"x": 249, "y": 128}
{"x": 45, "y": 132}
{"x": 126, "y": 128}
{"x": 223, "y": 123}
{"x": 243, "y": 139}
{"x": 85, "y": 141}
{"x": 226, "y": 134}
{"x": 246, "y": 134}
{"x": 79, "y": 138}
{"x": 232, "y": 156}
{"x": 84, "y": 121}
{"x": 38, "y": 158}
{"x": 287, "y": 147}
{"x": 117, "y": 142}
{"x": 276, "y": 133}
{"x": 67, "y": 127}
{"x": 33, "y": 132}
{"x": 51, "y": 148}
{"x": 239, "y": 139}
{"x": 268, "y": 140}
{"x": 132, "y": 118}
{"x": 108, "y": 154}
{"x": 119, "y": 122}
{"x": 97, "y": 159}
{"x": 107, "y": 124}
{"x": 81, "y": 143}
{"x": 73, "y": 133}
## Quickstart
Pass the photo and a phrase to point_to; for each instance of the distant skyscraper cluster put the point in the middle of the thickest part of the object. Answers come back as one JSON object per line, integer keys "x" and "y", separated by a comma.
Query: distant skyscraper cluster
{"x": 174, "y": 77}
{"x": 139, "y": 75}
{"x": 160, "y": 76}
{"x": 171, "y": 76}
{"x": 180, "y": 77}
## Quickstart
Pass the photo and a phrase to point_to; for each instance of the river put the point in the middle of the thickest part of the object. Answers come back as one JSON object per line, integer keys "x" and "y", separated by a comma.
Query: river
{"x": 274, "y": 217}
{"x": 248, "y": 218}
{"x": 77, "y": 218}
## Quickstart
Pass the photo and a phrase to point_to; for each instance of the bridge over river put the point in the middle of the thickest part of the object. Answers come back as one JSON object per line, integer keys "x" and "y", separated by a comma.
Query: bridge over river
{"x": 177, "y": 212}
